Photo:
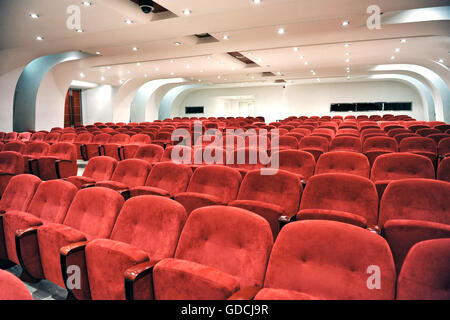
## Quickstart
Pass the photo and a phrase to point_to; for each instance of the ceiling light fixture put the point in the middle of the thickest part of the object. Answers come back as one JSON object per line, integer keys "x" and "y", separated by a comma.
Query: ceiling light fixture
{"x": 347, "y": 45}
{"x": 102, "y": 78}
{"x": 135, "y": 49}
{"x": 256, "y": 1}
{"x": 397, "y": 50}
{"x": 98, "y": 52}
{"x": 225, "y": 37}
{"x": 345, "y": 23}
{"x": 129, "y": 21}
{"x": 302, "y": 57}
{"x": 393, "y": 58}
{"x": 86, "y": 3}
{"x": 80, "y": 30}
{"x": 187, "y": 12}
{"x": 347, "y": 53}
{"x": 138, "y": 64}
{"x": 108, "y": 67}
{"x": 403, "y": 41}
{"x": 347, "y": 60}
{"x": 306, "y": 63}
{"x": 145, "y": 75}
{"x": 281, "y": 31}
{"x": 34, "y": 15}
{"x": 39, "y": 38}
{"x": 441, "y": 60}
{"x": 295, "y": 49}
{"x": 177, "y": 43}
{"x": 82, "y": 75}
{"x": 172, "y": 73}
{"x": 156, "y": 69}
{"x": 171, "y": 61}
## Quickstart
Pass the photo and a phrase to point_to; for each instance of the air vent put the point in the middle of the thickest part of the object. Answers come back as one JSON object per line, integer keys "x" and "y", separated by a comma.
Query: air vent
{"x": 268, "y": 74}
{"x": 239, "y": 56}
{"x": 205, "y": 38}
{"x": 280, "y": 81}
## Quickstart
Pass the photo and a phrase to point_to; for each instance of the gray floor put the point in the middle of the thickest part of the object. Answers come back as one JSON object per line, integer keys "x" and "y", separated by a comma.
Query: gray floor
{"x": 43, "y": 290}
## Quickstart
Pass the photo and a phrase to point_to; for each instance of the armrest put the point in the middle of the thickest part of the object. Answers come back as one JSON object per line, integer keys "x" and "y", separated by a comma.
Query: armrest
{"x": 134, "y": 274}
{"x": 83, "y": 152}
{"x": 286, "y": 218}
{"x": 57, "y": 166}
{"x": 2, "y": 212}
{"x": 74, "y": 254}
{"x": 248, "y": 293}
{"x": 374, "y": 229}
{"x": 121, "y": 152}
{"x": 27, "y": 246}
{"x": 88, "y": 185}
{"x": 6, "y": 174}
{"x": 101, "y": 150}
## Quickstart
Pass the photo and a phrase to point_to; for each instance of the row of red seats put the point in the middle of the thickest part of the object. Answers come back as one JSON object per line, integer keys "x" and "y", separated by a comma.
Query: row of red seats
{"x": 222, "y": 250}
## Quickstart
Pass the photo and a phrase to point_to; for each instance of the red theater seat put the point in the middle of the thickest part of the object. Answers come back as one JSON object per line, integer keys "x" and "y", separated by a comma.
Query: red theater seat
{"x": 146, "y": 231}
{"x": 178, "y": 154}
{"x": 24, "y": 137}
{"x": 49, "y": 205}
{"x": 33, "y": 151}
{"x": 444, "y": 170}
{"x": 272, "y": 194}
{"x": 68, "y": 137}
{"x": 315, "y": 145}
{"x": 92, "y": 215}
{"x": 423, "y": 146}
{"x": 12, "y": 288}
{"x": 328, "y": 260}
{"x": 343, "y": 162}
{"x": 93, "y": 149}
{"x": 444, "y": 147}
{"x": 60, "y": 162}
{"x": 340, "y": 197}
{"x": 351, "y": 144}
{"x": 414, "y": 210}
{"x": 166, "y": 179}
{"x": 11, "y": 164}
{"x": 376, "y": 146}
{"x": 424, "y": 275}
{"x": 129, "y": 173}
{"x": 97, "y": 169}
{"x": 130, "y": 149}
{"x": 151, "y": 153}
{"x": 80, "y": 143}
{"x": 114, "y": 147}
{"x": 210, "y": 185}
{"x": 10, "y": 136}
{"x": 288, "y": 143}
{"x": 301, "y": 163}
{"x": 52, "y": 137}
{"x": 221, "y": 249}
{"x": 15, "y": 146}
{"x": 19, "y": 192}
{"x": 397, "y": 166}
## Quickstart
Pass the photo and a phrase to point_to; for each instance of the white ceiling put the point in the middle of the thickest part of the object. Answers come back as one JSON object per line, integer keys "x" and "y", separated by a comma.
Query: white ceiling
{"x": 312, "y": 26}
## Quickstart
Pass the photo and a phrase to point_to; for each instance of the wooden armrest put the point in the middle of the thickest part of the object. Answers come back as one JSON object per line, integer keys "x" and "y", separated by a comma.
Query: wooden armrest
{"x": 135, "y": 273}
{"x": 247, "y": 293}
{"x": 374, "y": 229}
{"x": 126, "y": 194}
{"x": 26, "y": 232}
{"x": 19, "y": 236}
{"x": 88, "y": 185}
{"x": 73, "y": 248}
{"x": 286, "y": 218}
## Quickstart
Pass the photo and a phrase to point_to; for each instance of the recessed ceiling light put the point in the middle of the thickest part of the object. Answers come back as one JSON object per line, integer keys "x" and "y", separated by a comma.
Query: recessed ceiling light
{"x": 348, "y": 71}
{"x": 145, "y": 75}
{"x": 345, "y": 23}
{"x": 86, "y": 3}
{"x": 138, "y": 64}
{"x": 135, "y": 49}
{"x": 348, "y": 77}
{"x": 171, "y": 61}
{"x": 318, "y": 79}
{"x": 397, "y": 50}
{"x": 80, "y": 30}
{"x": 202, "y": 71}
{"x": 39, "y": 38}
{"x": 34, "y": 15}
{"x": 187, "y": 12}
{"x": 199, "y": 80}
{"x": 172, "y": 73}
{"x": 347, "y": 45}
{"x": 295, "y": 49}
{"x": 102, "y": 78}
{"x": 256, "y": 1}
{"x": 129, "y": 21}
{"x": 82, "y": 75}
{"x": 219, "y": 77}
{"x": 306, "y": 63}
{"x": 347, "y": 53}
{"x": 177, "y": 43}
{"x": 393, "y": 58}
{"x": 250, "y": 53}
{"x": 281, "y": 31}
{"x": 225, "y": 37}
{"x": 188, "y": 66}
{"x": 208, "y": 57}
{"x": 98, "y": 52}
{"x": 108, "y": 67}
{"x": 259, "y": 60}
{"x": 302, "y": 57}
{"x": 403, "y": 41}
{"x": 347, "y": 60}
{"x": 128, "y": 71}
{"x": 156, "y": 69}
{"x": 121, "y": 81}
{"x": 441, "y": 60}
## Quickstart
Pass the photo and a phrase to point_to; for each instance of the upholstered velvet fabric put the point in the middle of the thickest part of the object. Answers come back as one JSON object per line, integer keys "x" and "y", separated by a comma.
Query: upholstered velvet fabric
{"x": 147, "y": 226}
{"x": 52, "y": 137}
{"x": 94, "y": 211}
{"x": 165, "y": 179}
{"x": 397, "y": 166}
{"x": 414, "y": 210}
{"x": 282, "y": 294}
{"x": 68, "y": 137}
{"x": 182, "y": 152}
{"x": 330, "y": 260}
{"x": 420, "y": 145}
{"x": 335, "y": 215}
{"x": 316, "y": 145}
{"x": 233, "y": 241}
{"x": 425, "y": 274}
{"x": 210, "y": 185}
{"x": 49, "y": 204}
{"x": 343, "y": 162}
{"x": 97, "y": 169}
{"x": 59, "y": 151}
{"x": 11, "y": 163}
{"x": 444, "y": 147}
{"x": 444, "y": 170}
{"x": 128, "y": 173}
{"x": 341, "y": 192}
{"x": 135, "y": 142}
{"x": 82, "y": 139}
{"x": 111, "y": 149}
{"x": 34, "y": 150}
{"x": 52, "y": 237}
{"x": 288, "y": 143}
{"x": 92, "y": 149}
{"x": 351, "y": 144}
{"x": 151, "y": 153}
{"x": 192, "y": 281}
{"x": 301, "y": 163}
{"x": 12, "y": 288}
{"x": 19, "y": 192}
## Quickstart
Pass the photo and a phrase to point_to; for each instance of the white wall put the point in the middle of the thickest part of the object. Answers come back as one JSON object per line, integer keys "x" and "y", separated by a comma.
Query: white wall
{"x": 8, "y": 83}
{"x": 276, "y": 103}
{"x": 98, "y": 103}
